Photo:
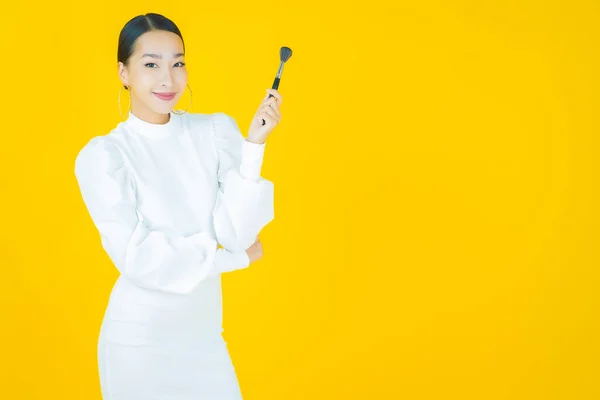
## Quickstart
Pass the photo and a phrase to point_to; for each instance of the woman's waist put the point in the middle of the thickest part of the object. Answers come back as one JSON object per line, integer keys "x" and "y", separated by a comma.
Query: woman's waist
{"x": 129, "y": 302}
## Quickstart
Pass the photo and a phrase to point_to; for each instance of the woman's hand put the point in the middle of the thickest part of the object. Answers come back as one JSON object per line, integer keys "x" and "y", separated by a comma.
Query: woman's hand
{"x": 269, "y": 111}
{"x": 255, "y": 252}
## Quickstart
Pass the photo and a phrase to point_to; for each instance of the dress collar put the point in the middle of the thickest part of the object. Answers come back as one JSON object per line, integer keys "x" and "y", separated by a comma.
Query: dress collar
{"x": 172, "y": 127}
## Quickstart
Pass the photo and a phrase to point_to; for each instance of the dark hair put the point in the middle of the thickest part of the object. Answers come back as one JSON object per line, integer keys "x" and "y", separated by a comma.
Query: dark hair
{"x": 139, "y": 25}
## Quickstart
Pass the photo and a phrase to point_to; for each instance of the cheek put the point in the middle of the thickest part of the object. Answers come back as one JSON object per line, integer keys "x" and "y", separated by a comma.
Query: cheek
{"x": 181, "y": 77}
{"x": 146, "y": 80}
{"x": 142, "y": 77}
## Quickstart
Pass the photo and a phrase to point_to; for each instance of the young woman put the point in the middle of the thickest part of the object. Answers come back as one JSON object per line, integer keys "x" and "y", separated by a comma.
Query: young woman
{"x": 178, "y": 199}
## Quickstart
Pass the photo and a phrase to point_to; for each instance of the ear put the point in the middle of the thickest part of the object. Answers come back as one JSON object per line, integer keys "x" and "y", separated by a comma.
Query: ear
{"x": 123, "y": 74}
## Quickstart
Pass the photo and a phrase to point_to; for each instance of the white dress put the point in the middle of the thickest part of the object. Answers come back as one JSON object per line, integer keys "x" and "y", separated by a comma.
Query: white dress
{"x": 163, "y": 198}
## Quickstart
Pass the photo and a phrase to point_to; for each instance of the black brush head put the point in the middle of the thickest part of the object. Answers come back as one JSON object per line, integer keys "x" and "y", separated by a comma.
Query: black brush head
{"x": 285, "y": 53}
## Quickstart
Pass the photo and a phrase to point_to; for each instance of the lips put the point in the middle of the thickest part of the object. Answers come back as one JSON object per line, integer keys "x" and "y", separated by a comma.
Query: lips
{"x": 165, "y": 96}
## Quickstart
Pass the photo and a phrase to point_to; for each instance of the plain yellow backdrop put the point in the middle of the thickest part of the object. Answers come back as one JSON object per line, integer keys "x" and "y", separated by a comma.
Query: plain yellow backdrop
{"x": 437, "y": 180}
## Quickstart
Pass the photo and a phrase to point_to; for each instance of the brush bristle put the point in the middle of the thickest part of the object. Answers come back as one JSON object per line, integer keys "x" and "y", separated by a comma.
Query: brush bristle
{"x": 285, "y": 53}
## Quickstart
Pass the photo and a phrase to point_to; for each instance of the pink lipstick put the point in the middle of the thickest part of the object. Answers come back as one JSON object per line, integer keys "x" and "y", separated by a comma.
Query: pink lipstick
{"x": 165, "y": 96}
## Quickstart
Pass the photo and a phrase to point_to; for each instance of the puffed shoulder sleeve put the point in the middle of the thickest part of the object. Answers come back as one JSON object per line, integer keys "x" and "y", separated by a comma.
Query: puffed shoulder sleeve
{"x": 245, "y": 199}
{"x": 151, "y": 258}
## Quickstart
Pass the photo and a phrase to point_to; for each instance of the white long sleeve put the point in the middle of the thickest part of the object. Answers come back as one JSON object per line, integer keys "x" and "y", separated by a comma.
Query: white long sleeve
{"x": 159, "y": 259}
{"x": 245, "y": 200}
{"x": 177, "y": 204}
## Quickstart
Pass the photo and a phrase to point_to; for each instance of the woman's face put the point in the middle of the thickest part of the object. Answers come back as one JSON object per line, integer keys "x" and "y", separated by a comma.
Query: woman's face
{"x": 155, "y": 68}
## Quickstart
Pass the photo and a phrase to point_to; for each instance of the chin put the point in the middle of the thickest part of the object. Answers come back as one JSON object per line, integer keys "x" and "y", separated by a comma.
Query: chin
{"x": 165, "y": 108}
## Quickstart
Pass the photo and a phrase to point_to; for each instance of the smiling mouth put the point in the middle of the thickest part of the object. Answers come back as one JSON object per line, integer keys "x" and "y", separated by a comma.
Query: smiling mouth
{"x": 165, "y": 96}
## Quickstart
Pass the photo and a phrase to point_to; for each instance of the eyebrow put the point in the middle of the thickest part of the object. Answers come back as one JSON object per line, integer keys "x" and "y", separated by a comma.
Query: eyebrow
{"x": 159, "y": 56}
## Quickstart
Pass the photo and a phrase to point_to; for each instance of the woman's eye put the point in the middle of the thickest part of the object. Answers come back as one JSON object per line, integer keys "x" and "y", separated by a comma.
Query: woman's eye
{"x": 150, "y": 65}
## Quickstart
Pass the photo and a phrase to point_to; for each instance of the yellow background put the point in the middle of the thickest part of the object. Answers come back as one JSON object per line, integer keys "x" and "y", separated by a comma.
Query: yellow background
{"x": 437, "y": 178}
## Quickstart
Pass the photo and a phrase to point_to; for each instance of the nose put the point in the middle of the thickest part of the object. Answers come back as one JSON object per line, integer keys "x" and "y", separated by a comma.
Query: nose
{"x": 166, "y": 78}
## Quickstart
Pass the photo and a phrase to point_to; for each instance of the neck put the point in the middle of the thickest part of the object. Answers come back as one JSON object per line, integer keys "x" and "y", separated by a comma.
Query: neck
{"x": 148, "y": 115}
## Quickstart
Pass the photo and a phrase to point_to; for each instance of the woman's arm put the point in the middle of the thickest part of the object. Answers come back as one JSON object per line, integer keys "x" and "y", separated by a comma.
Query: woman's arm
{"x": 151, "y": 258}
{"x": 245, "y": 201}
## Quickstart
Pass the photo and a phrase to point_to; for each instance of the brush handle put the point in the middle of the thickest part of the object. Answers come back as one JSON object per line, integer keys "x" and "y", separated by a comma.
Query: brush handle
{"x": 275, "y": 86}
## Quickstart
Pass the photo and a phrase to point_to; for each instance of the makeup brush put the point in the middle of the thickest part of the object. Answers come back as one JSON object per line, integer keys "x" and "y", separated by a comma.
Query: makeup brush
{"x": 284, "y": 54}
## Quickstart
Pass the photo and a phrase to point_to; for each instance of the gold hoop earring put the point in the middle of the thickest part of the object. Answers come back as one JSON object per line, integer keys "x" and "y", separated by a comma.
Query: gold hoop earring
{"x": 189, "y": 106}
{"x": 119, "y": 101}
